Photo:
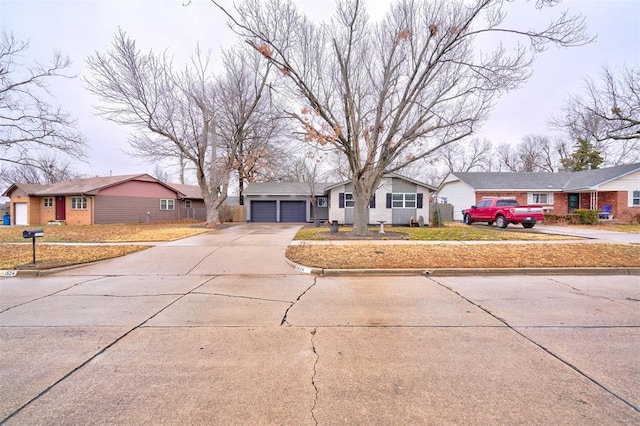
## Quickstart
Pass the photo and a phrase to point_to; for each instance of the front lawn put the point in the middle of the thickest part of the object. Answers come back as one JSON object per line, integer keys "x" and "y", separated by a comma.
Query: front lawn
{"x": 16, "y": 252}
{"x": 452, "y": 232}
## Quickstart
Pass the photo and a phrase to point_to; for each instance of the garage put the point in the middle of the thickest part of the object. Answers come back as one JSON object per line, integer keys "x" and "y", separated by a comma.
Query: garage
{"x": 20, "y": 210}
{"x": 293, "y": 211}
{"x": 263, "y": 211}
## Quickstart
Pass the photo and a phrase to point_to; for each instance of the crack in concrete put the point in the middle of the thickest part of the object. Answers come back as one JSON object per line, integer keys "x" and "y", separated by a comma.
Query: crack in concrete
{"x": 313, "y": 377}
{"x": 234, "y": 296}
{"x": 55, "y": 293}
{"x": 95, "y": 355}
{"x": 543, "y": 348}
{"x": 284, "y": 318}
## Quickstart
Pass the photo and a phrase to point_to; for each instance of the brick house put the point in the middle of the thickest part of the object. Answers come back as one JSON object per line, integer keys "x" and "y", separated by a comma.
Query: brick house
{"x": 114, "y": 199}
{"x": 617, "y": 188}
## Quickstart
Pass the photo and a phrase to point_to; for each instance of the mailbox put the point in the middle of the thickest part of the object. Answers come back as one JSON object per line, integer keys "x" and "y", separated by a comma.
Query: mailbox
{"x": 32, "y": 233}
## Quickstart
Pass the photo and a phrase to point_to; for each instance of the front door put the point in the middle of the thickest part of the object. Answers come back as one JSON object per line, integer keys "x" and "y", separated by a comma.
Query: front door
{"x": 61, "y": 213}
{"x": 574, "y": 202}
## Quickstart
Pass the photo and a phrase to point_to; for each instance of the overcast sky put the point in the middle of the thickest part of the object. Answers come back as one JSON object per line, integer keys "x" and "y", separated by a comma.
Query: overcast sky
{"x": 79, "y": 28}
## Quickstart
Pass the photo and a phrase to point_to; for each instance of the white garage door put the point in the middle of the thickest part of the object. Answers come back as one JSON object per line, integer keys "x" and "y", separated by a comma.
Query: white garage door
{"x": 21, "y": 214}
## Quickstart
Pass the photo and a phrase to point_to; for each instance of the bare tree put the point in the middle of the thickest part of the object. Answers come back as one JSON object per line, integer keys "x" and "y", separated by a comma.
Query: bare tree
{"x": 248, "y": 119}
{"x": 535, "y": 153}
{"x": 160, "y": 173}
{"x": 387, "y": 94}
{"x": 467, "y": 155}
{"x": 174, "y": 114}
{"x": 43, "y": 169}
{"x": 607, "y": 115}
{"x": 29, "y": 126}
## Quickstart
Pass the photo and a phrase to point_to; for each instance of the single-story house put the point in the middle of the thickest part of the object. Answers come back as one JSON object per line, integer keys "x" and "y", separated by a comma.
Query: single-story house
{"x": 616, "y": 189}
{"x": 285, "y": 202}
{"x": 100, "y": 200}
{"x": 395, "y": 201}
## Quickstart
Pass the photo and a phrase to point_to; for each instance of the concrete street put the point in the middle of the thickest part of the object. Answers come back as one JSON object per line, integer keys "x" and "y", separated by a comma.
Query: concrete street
{"x": 220, "y": 329}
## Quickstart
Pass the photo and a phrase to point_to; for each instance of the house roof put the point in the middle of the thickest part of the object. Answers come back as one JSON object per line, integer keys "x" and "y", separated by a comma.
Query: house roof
{"x": 284, "y": 188}
{"x": 189, "y": 191}
{"x": 392, "y": 175}
{"x": 528, "y": 181}
{"x": 88, "y": 186}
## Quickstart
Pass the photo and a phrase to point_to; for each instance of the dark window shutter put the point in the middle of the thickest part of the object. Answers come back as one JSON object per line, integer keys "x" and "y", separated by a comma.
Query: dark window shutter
{"x": 419, "y": 201}
{"x": 372, "y": 204}
{"x": 388, "y": 200}
{"x": 341, "y": 200}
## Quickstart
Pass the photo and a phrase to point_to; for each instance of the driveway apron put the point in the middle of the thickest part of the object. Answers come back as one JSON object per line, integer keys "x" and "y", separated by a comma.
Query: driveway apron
{"x": 220, "y": 329}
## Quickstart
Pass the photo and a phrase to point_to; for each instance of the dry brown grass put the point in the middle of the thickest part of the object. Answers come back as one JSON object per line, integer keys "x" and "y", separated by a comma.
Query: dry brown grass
{"x": 466, "y": 256}
{"x": 15, "y": 255}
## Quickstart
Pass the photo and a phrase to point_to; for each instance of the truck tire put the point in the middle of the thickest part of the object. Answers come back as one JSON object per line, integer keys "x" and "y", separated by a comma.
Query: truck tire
{"x": 501, "y": 221}
{"x": 467, "y": 219}
{"x": 528, "y": 225}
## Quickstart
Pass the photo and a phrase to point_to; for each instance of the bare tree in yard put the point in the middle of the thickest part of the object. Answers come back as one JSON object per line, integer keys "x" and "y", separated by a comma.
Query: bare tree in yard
{"x": 173, "y": 113}
{"x": 388, "y": 93}
{"x": 247, "y": 115}
{"x": 607, "y": 115}
{"x": 30, "y": 128}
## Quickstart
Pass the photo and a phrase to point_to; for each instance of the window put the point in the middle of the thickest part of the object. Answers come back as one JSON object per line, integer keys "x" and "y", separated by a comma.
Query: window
{"x": 48, "y": 202}
{"x": 187, "y": 204}
{"x": 167, "y": 204}
{"x": 78, "y": 203}
{"x": 635, "y": 199}
{"x": 348, "y": 199}
{"x": 505, "y": 203}
{"x": 322, "y": 202}
{"x": 404, "y": 201}
{"x": 541, "y": 198}
{"x": 484, "y": 203}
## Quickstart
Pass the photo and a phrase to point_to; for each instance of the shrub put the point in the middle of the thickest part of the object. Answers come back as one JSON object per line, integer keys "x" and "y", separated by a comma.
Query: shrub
{"x": 225, "y": 213}
{"x": 587, "y": 216}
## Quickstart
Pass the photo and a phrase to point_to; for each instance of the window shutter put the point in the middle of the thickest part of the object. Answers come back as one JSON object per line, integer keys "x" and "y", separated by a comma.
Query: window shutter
{"x": 372, "y": 204}
{"x": 419, "y": 200}
{"x": 341, "y": 200}
{"x": 388, "y": 200}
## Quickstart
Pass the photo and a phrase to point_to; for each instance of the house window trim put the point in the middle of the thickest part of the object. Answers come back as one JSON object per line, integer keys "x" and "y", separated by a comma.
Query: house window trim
{"x": 48, "y": 202}
{"x": 531, "y": 198}
{"x": 81, "y": 200}
{"x": 322, "y": 202}
{"x": 167, "y": 202}
{"x": 634, "y": 198}
{"x": 187, "y": 204}
{"x": 409, "y": 200}
{"x": 349, "y": 200}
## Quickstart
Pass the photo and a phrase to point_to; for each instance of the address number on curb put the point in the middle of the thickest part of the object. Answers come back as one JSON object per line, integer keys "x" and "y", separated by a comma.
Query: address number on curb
{"x": 303, "y": 269}
{"x": 8, "y": 273}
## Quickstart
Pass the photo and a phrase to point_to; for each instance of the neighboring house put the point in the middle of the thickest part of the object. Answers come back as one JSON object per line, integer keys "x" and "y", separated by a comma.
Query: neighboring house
{"x": 396, "y": 200}
{"x": 559, "y": 193}
{"x": 100, "y": 200}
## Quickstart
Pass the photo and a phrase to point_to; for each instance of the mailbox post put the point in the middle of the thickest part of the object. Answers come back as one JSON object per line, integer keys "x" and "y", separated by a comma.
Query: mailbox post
{"x": 33, "y": 234}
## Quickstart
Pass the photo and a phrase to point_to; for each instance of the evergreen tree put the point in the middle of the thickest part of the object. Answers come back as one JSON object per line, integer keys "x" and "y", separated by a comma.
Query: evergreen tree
{"x": 585, "y": 157}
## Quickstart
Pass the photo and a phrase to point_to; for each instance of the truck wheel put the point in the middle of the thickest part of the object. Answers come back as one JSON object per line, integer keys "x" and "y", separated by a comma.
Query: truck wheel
{"x": 467, "y": 219}
{"x": 528, "y": 225}
{"x": 501, "y": 221}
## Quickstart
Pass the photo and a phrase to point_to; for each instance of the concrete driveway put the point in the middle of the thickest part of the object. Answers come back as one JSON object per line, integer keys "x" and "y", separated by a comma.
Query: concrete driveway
{"x": 220, "y": 329}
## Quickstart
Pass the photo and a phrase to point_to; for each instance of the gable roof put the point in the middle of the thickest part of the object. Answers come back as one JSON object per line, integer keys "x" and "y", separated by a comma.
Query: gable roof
{"x": 387, "y": 175}
{"x": 530, "y": 181}
{"x": 189, "y": 191}
{"x": 284, "y": 188}
{"x": 84, "y": 186}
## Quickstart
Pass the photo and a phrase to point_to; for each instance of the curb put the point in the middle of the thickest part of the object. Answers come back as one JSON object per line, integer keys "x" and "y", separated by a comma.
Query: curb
{"x": 463, "y": 272}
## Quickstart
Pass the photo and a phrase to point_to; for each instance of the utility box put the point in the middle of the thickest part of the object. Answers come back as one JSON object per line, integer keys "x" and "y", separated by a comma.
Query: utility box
{"x": 32, "y": 233}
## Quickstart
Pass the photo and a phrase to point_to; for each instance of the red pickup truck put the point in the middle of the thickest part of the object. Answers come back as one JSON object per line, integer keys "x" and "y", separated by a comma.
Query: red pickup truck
{"x": 503, "y": 211}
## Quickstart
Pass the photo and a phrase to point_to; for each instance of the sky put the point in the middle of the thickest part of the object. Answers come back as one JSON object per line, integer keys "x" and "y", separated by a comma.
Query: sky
{"x": 79, "y": 28}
